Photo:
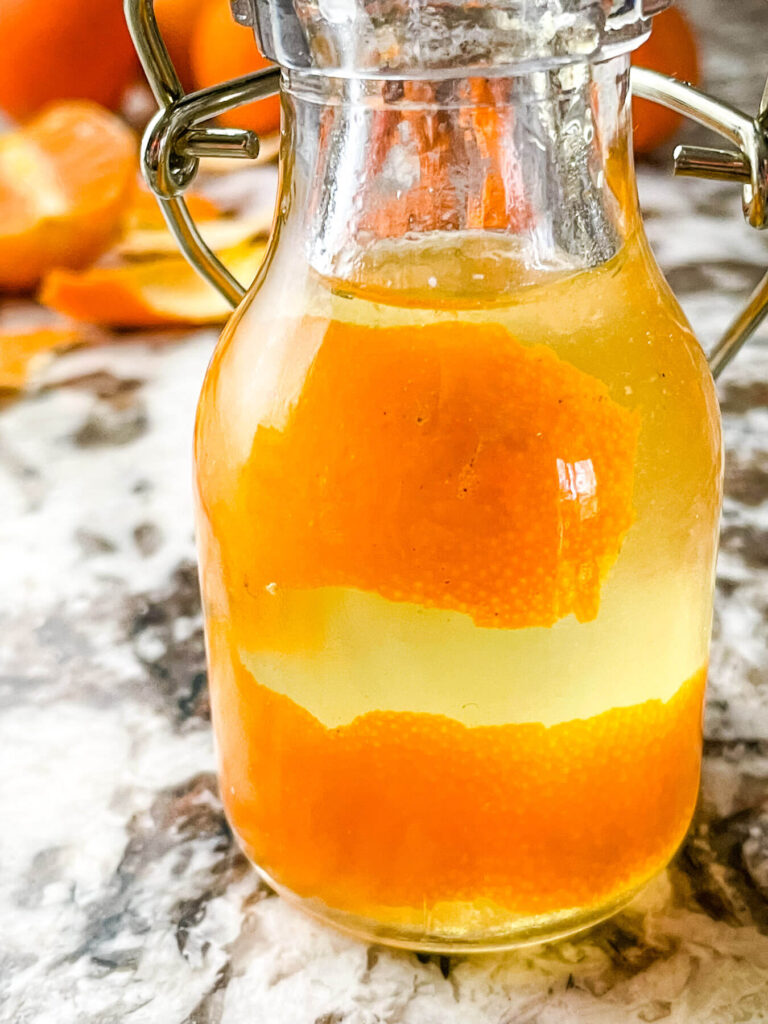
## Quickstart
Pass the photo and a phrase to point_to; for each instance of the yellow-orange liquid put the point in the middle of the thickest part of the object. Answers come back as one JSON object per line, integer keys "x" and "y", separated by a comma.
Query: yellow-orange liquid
{"x": 457, "y": 565}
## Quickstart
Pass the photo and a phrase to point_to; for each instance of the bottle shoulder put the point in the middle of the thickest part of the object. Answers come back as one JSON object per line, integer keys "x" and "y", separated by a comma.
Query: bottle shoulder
{"x": 619, "y": 324}
{"x": 585, "y": 315}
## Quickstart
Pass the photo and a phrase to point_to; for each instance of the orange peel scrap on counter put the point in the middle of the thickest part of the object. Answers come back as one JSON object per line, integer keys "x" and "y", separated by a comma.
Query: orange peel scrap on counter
{"x": 151, "y": 290}
{"x": 21, "y": 352}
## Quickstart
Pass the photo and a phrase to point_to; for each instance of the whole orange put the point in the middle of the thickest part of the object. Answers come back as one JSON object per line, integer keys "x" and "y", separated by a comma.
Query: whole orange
{"x": 177, "y": 20}
{"x": 64, "y": 49}
{"x": 672, "y": 49}
{"x": 222, "y": 49}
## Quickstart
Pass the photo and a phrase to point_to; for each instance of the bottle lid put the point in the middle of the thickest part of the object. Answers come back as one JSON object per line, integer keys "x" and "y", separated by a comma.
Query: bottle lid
{"x": 443, "y": 38}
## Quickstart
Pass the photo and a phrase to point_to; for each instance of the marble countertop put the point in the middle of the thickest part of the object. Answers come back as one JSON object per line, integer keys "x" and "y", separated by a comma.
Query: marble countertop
{"x": 122, "y": 896}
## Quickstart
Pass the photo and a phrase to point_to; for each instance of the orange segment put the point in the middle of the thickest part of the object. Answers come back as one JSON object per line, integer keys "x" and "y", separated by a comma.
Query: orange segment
{"x": 151, "y": 292}
{"x": 467, "y": 472}
{"x": 64, "y": 182}
{"x": 20, "y": 352}
{"x": 418, "y": 809}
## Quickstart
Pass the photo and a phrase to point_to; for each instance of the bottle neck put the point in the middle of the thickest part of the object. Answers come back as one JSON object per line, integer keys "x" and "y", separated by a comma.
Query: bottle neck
{"x": 386, "y": 183}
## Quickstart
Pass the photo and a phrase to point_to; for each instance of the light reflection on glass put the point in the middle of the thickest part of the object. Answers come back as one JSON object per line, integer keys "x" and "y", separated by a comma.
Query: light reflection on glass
{"x": 579, "y": 483}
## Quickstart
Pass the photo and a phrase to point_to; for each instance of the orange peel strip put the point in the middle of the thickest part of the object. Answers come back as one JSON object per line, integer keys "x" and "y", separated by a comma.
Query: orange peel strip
{"x": 449, "y": 466}
{"x": 144, "y": 212}
{"x": 415, "y": 809}
{"x": 21, "y": 352}
{"x": 155, "y": 292}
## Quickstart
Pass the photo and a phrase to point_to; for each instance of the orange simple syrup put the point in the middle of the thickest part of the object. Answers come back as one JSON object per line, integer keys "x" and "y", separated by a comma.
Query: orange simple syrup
{"x": 457, "y": 567}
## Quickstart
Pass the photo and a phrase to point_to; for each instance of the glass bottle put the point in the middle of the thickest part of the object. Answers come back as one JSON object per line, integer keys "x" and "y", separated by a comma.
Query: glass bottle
{"x": 458, "y": 480}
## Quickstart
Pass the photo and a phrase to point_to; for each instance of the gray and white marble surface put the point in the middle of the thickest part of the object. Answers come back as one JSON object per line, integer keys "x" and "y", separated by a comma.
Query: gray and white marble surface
{"x": 122, "y": 896}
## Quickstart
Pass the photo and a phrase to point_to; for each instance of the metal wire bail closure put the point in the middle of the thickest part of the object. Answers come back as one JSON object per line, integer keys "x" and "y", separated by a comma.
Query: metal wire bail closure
{"x": 747, "y": 164}
{"x": 174, "y": 143}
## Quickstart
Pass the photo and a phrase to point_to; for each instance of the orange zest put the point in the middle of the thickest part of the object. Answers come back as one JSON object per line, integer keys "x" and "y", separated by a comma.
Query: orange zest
{"x": 415, "y": 810}
{"x": 64, "y": 183}
{"x": 152, "y": 292}
{"x": 509, "y": 504}
{"x": 21, "y": 352}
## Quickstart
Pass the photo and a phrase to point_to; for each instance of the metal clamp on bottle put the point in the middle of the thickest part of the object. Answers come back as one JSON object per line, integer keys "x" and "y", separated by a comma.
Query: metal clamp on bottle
{"x": 174, "y": 143}
{"x": 746, "y": 165}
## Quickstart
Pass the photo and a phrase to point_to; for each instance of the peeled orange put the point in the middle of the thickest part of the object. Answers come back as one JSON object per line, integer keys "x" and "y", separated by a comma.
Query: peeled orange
{"x": 63, "y": 49}
{"x": 64, "y": 182}
{"x": 222, "y": 49}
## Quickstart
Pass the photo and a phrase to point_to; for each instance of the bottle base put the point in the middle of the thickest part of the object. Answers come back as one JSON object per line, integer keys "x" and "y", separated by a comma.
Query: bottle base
{"x": 526, "y": 930}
